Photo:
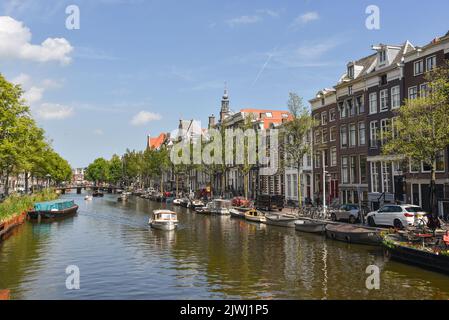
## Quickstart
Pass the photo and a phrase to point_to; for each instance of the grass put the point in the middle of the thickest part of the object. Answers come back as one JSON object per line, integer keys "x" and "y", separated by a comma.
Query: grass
{"x": 15, "y": 205}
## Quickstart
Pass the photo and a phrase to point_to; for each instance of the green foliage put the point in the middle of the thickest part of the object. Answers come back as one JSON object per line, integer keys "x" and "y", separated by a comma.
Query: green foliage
{"x": 15, "y": 205}
{"x": 98, "y": 171}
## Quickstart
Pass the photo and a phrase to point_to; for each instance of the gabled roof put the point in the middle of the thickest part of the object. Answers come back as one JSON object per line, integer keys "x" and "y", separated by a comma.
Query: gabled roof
{"x": 263, "y": 115}
{"x": 156, "y": 143}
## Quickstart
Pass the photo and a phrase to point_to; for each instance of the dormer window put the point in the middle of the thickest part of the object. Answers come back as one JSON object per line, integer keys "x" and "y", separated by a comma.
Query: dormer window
{"x": 382, "y": 56}
{"x": 351, "y": 72}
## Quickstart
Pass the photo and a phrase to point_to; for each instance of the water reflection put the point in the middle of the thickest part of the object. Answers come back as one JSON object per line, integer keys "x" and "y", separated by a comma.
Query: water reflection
{"x": 208, "y": 257}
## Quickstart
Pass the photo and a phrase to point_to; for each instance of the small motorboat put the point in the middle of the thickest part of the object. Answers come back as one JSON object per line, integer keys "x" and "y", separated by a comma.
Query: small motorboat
{"x": 163, "y": 220}
{"x": 255, "y": 215}
{"x": 353, "y": 234}
{"x": 88, "y": 198}
{"x": 281, "y": 220}
{"x": 97, "y": 194}
{"x": 177, "y": 202}
{"x": 196, "y": 203}
{"x": 53, "y": 209}
{"x": 122, "y": 198}
{"x": 185, "y": 202}
{"x": 310, "y": 226}
{"x": 207, "y": 209}
{"x": 220, "y": 206}
{"x": 237, "y": 213}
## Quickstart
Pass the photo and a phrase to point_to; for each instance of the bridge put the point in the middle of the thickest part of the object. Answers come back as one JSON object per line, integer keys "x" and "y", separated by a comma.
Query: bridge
{"x": 108, "y": 189}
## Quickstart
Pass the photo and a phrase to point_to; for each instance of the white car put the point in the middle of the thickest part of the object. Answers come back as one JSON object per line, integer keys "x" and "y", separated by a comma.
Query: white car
{"x": 398, "y": 216}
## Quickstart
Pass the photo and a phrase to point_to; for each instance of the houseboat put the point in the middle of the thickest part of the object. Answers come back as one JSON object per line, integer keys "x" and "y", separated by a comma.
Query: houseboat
{"x": 53, "y": 209}
{"x": 255, "y": 215}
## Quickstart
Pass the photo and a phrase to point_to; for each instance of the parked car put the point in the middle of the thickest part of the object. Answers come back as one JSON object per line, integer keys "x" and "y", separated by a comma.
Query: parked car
{"x": 398, "y": 216}
{"x": 347, "y": 212}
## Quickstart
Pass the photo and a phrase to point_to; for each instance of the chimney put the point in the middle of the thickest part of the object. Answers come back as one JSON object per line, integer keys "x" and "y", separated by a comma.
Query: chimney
{"x": 211, "y": 121}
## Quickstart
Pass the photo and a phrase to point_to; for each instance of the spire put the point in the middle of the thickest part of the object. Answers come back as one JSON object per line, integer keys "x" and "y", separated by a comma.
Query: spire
{"x": 224, "y": 103}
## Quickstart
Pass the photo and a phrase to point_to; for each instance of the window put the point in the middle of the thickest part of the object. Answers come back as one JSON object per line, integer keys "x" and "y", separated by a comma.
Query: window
{"x": 413, "y": 93}
{"x": 360, "y": 105}
{"x": 353, "y": 172}
{"x": 440, "y": 160}
{"x": 373, "y": 134}
{"x": 344, "y": 170}
{"x": 386, "y": 171}
{"x": 374, "y": 177}
{"x": 424, "y": 89}
{"x": 362, "y": 136}
{"x": 415, "y": 166}
{"x": 324, "y": 118}
{"x": 268, "y": 114}
{"x": 383, "y": 129}
{"x": 343, "y": 136}
{"x": 395, "y": 97}
{"x": 295, "y": 185}
{"x": 324, "y": 136}
{"x": 351, "y": 107}
{"x": 342, "y": 109}
{"x": 373, "y": 102}
{"x": 419, "y": 67}
{"x": 382, "y": 56}
{"x": 425, "y": 167}
{"x": 362, "y": 169}
{"x": 317, "y": 137}
{"x": 431, "y": 63}
{"x": 318, "y": 160}
{"x": 332, "y": 134}
{"x": 383, "y": 80}
{"x": 349, "y": 90}
{"x": 333, "y": 156}
{"x": 289, "y": 185}
{"x": 352, "y": 135}
{"x": 383, "y": 100}
{"x": 332, "y": 115}
{"x": 351, "y": 72}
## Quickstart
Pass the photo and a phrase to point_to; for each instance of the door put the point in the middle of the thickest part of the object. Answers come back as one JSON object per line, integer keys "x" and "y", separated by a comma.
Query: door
{"x": 382, "y": 215}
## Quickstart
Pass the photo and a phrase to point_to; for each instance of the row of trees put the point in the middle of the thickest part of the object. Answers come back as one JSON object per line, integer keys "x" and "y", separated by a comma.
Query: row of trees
{"x": 23, "y": 146}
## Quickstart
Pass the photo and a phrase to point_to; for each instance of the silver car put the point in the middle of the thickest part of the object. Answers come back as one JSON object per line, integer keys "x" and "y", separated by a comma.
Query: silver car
{"x": 347, "y": 212}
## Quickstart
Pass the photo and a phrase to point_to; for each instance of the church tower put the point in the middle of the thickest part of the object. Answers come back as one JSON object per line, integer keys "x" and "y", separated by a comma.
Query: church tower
{"x": 224, "y": 105}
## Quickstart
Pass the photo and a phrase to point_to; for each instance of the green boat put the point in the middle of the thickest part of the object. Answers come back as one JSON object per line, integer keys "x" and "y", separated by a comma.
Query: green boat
{"x": 53, "y": 209}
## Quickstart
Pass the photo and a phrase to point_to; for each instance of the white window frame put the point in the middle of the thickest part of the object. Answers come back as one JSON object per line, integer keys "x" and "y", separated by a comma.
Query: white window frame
{"x": 324, "y": 118}
{"x": 410, "y": 167}
{"x": 335, "y": 133}
{"x": 374, "y": 177}
{"x": 444, "y": 162}
{"x": 384, "y": 123}
{"x": 345, "y": 171}
{"x": 415, "y": 89}
{"x": 395, "y": 97}
{"x": 345, "y": 136}
{"x": 363, "y": 133}
{"x": 423, "y": 88}
{"x": 383, "y": 100}
{"x": 434, "y": 64}
{"x": 352, "y": 135}
{"x": 333, "y": 156}
{"x": 332, "y": 112}
{"x": 382, "y": 56}
{"x": 419, "y": 62}
{"x": 373, "y": 133}
{"x": 372, "y": 102}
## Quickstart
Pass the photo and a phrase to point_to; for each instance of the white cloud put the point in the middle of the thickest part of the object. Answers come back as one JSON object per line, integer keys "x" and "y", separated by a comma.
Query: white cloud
{"x": 98, "y": 132}
{"x": 271, "y": 13}
{"x": 305, "y": 18}
{"x": 243, "y": 20}
{"x": 144, "y": 117}
{"x": 33, "y": 95}
{"x": 15, "y": 44}
{"x": 53, "y": 111}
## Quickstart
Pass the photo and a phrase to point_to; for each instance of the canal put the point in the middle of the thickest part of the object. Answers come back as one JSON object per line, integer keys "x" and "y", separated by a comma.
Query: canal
{"x": 208, "y": 257}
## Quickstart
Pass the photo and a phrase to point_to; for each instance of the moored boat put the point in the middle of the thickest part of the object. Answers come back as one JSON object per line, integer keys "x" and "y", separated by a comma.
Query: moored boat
{"x": 97, "y": 194}
{"x": 177, "y": 202}
{"x": 53, "y": 209}
{"x": 402, "y": 250}
{"x": 255, "y": 215}
{"x": 185, "y": 202}
{"x": 122, "y": 198}
{"x": 88, "y": 198}
{"x": 163, "y": 220}
{"x": 281, "y": 220}
{"x": 207, "y": 209}
{"x": 220, "y": 206}
{"x": 310, "y": 226}
{"x": 236, "y": 213}
{"x": 353, "y": 234}
{"x": 196, "y": 203}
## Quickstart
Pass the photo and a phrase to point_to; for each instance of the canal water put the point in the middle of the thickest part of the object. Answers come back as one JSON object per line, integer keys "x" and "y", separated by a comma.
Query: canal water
{"x": 208, "y": 257}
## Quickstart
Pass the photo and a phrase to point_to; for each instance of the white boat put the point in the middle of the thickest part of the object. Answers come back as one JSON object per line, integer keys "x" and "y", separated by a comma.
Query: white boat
{"x": 177, "y": 202}
{"x": 255, "y": 215}
{"x": 220, "y": 206}
{"x": 196, "y": 203}
{"x": 88, "y": 198}
{"x": 163, "y": 220}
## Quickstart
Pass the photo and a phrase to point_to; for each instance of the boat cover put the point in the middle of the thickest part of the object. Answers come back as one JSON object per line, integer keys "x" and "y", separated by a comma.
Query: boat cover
{"x": 54, "y": 205}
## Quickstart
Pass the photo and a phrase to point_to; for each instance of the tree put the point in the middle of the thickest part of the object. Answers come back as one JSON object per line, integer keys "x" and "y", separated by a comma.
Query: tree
{"x": 420, "y": 130}
{"x": 296, "y": 133}
{"x": 98, "y": 171}
{"x": 115, "y": 170}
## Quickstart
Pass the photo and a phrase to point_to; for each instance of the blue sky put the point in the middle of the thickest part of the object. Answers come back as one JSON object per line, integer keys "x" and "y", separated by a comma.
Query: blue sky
{"x": 157, "y": 61}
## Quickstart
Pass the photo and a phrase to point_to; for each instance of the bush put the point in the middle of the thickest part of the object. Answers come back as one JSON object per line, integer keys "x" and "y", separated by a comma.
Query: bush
{"x": 15, "y": 205}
